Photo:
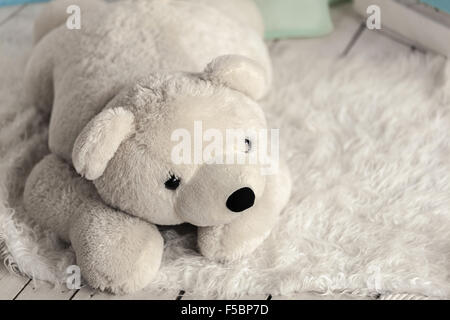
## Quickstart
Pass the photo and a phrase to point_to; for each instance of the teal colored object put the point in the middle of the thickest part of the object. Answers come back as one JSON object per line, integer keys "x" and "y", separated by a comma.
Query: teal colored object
{"x": 295, "y": 18}
{"x": 16, "y": 2}
{"x": 443, "y": 5}
{"x": 333, "y": 2}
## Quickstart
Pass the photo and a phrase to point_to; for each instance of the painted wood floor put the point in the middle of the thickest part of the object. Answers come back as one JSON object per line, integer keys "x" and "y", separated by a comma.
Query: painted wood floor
{"x": 16, "y": 23}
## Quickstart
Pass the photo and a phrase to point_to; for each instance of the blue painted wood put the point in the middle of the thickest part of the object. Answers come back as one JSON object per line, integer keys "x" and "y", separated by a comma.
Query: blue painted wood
{"x": 16, "y": 2}
{"x": 443, "y": 5}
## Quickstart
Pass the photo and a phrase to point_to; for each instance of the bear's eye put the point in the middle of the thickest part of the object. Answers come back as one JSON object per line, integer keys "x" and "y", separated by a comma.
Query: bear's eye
{"x": 173, "y": 182}
{"x": 248, "y": 145}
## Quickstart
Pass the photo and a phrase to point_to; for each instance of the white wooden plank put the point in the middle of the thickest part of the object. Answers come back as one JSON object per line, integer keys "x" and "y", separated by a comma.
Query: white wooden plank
{"x": 244, "y": 297}
{"x": 40, "y": 290}
{"x": 254, "y": 297}
{"x": 416, "y": 26}
{"x": 16, "y": 34}
{"x": 87, "y": 293}
{"x": 346, "y": 23}
{"x": 10, "y": 285}
{"x": 8, "y": 12}
{"x": 374, "y": 42}
{"x": 317, "y": 296}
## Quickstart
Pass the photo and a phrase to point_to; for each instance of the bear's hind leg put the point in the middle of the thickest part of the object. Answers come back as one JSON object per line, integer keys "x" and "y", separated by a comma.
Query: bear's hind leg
{"x": 53, "y": 193}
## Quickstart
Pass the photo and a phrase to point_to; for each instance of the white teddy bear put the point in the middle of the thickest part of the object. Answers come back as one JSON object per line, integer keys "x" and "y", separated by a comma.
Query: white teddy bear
{"x": 115, "y": 91}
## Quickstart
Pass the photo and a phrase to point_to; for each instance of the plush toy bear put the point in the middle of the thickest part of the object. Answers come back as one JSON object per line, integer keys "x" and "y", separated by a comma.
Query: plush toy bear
{"x": 115, "y": 90}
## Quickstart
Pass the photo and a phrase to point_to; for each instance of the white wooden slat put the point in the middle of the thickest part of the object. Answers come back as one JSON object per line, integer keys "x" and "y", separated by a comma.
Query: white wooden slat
{"x": 374, "y": 42}
{"x": 87, "y": 293}
{"x": 316, "y": 296}
{"x": 244, "y": 297}
{"x": 16, "y": 34}
{"x": 254, "y": 297}
{"x": 10, "y": 285}
{"x": 8, "y": 12}
{"x": 40, "y": 290}
{"x": 413, "y": 23}
{"x": 346, "y": 23}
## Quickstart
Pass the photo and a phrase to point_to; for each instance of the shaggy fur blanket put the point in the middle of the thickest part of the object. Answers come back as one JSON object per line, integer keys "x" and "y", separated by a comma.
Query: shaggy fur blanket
{"x": 368, "y": 141}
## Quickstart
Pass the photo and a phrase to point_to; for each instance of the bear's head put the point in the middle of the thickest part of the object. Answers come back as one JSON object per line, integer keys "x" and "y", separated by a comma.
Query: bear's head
{"x": 142, "y": 151}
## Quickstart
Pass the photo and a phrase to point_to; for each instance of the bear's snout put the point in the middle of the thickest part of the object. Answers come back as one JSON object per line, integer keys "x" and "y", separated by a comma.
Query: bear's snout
{"x": 219, "y": 193}
{"x": 241, "y": 200}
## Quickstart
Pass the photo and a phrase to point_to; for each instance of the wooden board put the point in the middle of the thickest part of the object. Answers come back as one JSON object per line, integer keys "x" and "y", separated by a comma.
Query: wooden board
{"x": 11, "y": 285}
{"x": 87, "y": 293}
{"x": 7, "y": 13}
{"x": 39, "y": 290}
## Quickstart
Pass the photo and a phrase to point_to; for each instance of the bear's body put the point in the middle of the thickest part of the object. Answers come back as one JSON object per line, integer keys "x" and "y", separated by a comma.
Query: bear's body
{"x": 116, "y": 91}
{"x": 121, "y": 42}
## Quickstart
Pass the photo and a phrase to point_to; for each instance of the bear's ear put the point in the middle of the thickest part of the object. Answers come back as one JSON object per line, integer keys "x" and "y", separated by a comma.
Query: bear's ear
{"x": 239, "y": 73}
{"x": 99, "y": 140}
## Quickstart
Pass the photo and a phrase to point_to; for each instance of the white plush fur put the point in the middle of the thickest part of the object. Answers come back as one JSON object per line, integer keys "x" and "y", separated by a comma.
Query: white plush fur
{"x": 99, "y": 140}
{"x": 368, "y": 139}
{"x": 243, "y": 75}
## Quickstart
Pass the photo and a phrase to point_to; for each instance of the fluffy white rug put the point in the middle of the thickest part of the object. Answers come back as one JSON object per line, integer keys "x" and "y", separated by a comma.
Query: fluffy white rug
{"x": 368, "y": 146}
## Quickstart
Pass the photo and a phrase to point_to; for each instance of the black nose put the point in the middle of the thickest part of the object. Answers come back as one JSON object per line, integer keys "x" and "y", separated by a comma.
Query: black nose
{"x": 241, "y": 199}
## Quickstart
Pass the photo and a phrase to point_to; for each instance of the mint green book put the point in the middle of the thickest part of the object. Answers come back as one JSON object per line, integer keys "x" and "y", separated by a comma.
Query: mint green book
{"x": 296, "y": 18}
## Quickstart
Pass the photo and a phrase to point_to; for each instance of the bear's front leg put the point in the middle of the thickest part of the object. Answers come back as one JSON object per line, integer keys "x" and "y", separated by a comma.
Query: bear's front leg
{"x": 244, "y": 234}
{"x": 115, "y": 252}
